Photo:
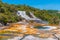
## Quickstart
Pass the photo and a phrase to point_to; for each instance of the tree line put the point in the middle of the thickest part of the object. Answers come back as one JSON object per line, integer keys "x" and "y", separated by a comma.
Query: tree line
{"x": 8, "y": 13}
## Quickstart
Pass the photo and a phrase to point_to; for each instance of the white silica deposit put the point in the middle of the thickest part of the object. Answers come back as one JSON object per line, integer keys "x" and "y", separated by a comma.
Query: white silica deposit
{"x": 30, "y": 37}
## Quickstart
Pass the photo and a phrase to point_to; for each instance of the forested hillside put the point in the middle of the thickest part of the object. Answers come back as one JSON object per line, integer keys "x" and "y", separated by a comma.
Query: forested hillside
{"x": 8, "y": 13}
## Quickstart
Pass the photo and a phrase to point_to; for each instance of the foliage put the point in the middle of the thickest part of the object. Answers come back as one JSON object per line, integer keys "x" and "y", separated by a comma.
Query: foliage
{"x": 8, "y": 13}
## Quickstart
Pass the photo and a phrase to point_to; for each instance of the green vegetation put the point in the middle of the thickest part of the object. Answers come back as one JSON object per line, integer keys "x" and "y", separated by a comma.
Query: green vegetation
{"x": 8, "y": 13}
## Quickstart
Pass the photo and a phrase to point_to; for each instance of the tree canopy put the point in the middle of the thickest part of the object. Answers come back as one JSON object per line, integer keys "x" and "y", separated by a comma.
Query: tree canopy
{"x": 8, "y": 13}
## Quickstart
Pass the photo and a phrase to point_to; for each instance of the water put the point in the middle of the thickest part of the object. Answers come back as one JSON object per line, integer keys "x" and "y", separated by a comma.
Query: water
{"x": 45, "y": 27}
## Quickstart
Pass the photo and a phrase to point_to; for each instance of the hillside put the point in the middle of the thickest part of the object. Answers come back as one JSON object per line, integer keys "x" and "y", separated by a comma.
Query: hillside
{"x": 8, "y": 13}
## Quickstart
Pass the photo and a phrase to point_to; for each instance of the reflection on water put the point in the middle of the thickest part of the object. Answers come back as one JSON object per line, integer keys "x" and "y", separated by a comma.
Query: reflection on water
{"x": 41, "y": 27}
{"x": 45, "y": 27}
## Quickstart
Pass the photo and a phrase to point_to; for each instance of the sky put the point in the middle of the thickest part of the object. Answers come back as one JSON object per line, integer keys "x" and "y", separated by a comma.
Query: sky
{"x": 41, "y": 4}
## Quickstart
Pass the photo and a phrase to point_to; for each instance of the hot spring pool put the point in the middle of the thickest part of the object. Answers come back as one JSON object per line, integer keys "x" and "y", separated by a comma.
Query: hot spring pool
{"x": 45, "y": 27}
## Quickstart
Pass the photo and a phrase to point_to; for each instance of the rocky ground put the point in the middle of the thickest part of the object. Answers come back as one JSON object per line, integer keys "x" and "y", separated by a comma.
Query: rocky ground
{"x": 18, "y": 31}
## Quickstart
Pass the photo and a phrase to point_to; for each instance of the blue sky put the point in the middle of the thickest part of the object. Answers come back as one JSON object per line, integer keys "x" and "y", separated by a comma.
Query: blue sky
{"x": 41, "y": 4}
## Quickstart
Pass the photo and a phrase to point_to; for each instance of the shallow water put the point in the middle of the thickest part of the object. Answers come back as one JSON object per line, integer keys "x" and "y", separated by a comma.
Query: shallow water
{"x": 45, "y": 27}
